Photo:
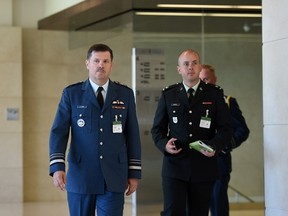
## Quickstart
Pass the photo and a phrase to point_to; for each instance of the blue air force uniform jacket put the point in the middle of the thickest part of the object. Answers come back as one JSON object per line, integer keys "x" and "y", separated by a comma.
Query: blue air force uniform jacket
{"x": 241, "y": 134}
{"x": 175, "y": 117}
{"x": 99, "y": 158}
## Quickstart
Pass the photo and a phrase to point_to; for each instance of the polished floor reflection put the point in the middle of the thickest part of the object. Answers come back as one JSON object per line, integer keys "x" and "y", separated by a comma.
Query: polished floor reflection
{"x": 60, "y": 208}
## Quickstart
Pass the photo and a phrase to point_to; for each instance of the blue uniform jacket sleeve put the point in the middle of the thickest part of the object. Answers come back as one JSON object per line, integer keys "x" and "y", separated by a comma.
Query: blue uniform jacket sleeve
{"x": 59, "y": 135}
{"x": 160, "y": 125}
{"x": 133, "y": 141}
{"x": 241, "y": 130}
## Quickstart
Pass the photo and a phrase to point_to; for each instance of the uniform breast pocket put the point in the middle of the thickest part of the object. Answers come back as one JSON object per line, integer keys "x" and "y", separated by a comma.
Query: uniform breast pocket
{"x": 175, "y": 114}
{"x": 208, "y": 111}
{"x": 208, "y": 116}
{"x": 119, "y": 117}
{"x": 81, "y": 120}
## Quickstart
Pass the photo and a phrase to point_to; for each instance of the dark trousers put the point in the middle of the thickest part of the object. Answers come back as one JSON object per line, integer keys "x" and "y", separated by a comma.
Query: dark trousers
{"x": 182, "y": 198}
{"x": 219, "y": 201}
{"x": 107, "y": 204}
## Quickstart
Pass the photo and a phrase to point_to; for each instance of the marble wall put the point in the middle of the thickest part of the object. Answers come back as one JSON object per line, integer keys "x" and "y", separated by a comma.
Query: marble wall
{"x": 275, "y": 118}
{"x": 11, "y": 115}
{"x": 48, "y": 67}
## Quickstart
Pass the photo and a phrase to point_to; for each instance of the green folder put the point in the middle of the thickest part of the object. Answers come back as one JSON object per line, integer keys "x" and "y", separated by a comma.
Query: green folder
{"x": 199, "y": 145}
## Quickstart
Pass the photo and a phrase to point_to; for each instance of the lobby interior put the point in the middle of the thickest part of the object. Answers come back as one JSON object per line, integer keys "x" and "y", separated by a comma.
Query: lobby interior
{"x": 48, "y": 53}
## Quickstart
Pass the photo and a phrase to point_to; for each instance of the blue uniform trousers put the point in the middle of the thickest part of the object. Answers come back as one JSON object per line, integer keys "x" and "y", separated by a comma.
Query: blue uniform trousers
{"x": 220, "y": 202}
{"x": 107, "y": 204}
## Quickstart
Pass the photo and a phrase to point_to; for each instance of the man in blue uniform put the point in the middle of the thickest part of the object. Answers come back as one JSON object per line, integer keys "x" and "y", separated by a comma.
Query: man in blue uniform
{"x": 190, "y": 111}
{"x": 105, "y": 153}
{"x": 220, "y": 202}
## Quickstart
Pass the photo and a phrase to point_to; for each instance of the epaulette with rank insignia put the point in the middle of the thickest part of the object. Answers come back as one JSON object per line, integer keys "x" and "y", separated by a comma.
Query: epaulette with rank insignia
{"x": 215, "y": 86}
{"x": 118, "y": 83}
{"x": 78, "y": 83}
{"x": 171, "y": 87}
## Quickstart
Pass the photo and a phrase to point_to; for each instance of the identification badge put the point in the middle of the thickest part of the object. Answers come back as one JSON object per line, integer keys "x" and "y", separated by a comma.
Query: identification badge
{"x": 205, "y": 122}
{"x": 117, "y": 127}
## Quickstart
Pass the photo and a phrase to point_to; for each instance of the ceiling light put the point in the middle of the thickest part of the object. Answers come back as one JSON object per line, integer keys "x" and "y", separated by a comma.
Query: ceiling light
{"x": 196, "y": 14}
{"x": 247, "y": 7}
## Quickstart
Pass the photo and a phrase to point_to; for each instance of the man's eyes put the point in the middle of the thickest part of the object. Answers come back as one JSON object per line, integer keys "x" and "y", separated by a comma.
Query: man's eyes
{"x": 98, "y": 61}
{"x": 186, "y": 64}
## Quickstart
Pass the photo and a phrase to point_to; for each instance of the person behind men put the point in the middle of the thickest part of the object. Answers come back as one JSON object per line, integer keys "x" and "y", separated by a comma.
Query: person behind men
{"x": 188, "y": 176}
{"x": 105, "y": 152}
{"x": 219, "y": 202}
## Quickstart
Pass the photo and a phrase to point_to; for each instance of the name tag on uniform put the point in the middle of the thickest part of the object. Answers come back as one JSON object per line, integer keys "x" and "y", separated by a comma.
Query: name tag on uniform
{"x": 205, "y": 122}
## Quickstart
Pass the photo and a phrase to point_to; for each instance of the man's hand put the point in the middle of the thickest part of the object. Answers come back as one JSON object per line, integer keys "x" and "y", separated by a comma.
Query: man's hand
{"x": 132, "y": 186}
{"x": 171, "y": 148}
{"x": 208, "y": 154}
{"x": 59, "y": 180}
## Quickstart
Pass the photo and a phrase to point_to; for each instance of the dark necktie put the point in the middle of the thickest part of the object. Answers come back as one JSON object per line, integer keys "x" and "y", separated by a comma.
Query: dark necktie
{"x": 100, "y": 96}
{"x": 190, "y": 94}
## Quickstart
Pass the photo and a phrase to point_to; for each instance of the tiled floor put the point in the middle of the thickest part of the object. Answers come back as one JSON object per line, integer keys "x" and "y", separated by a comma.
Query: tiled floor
{"x": 60, "y": 208}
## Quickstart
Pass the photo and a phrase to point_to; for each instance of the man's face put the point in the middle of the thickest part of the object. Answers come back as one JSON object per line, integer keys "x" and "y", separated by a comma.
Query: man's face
{"x": 207, "y": 76}
{"x": 99, "y": 66}
{"x": 189, "y": 67}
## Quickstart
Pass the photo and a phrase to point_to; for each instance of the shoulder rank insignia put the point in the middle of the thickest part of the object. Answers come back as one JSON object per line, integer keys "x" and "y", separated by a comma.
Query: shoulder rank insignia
{"x": 74, "y": 84}
{"x": 118, "y": 83}
{"x": 171, "y": 87}
{"x": 215, "y": 86}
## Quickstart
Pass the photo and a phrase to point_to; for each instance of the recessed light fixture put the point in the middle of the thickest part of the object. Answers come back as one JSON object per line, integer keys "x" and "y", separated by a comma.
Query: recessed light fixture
{"x": 246, "y": 7}
{"x": 146, "y": 13}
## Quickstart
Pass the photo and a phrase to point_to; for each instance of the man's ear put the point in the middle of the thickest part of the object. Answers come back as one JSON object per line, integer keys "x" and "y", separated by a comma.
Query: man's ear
{"x": 86, "y": 63}
{"x": 178, "y": 69}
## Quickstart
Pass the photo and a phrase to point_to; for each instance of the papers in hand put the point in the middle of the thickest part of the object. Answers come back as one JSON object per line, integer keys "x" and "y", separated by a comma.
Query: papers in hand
{"x": 199, "y": 145}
